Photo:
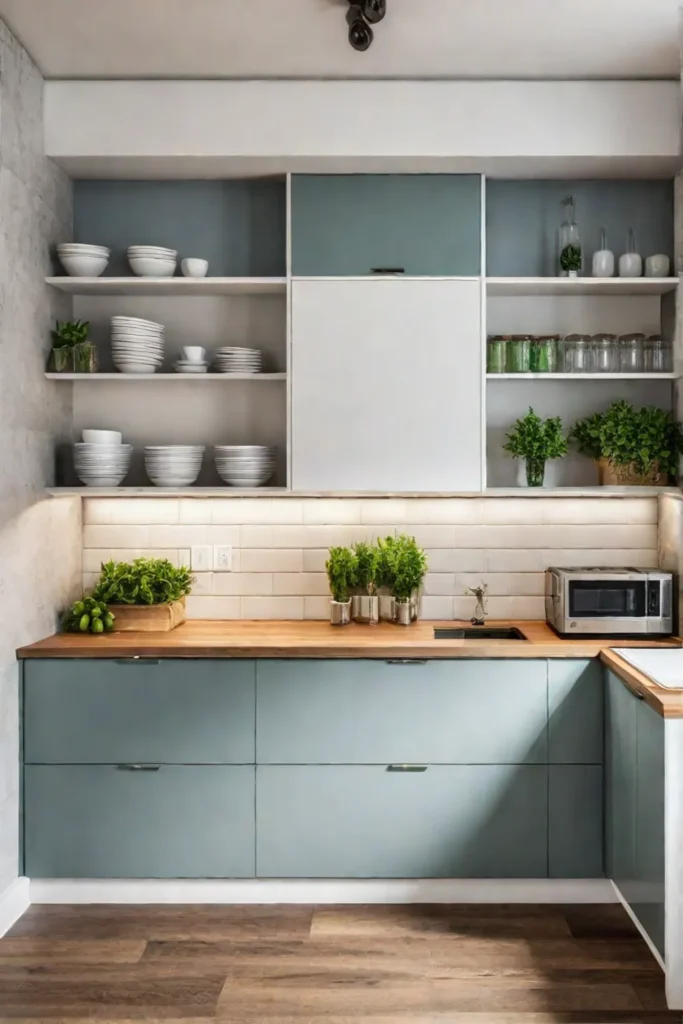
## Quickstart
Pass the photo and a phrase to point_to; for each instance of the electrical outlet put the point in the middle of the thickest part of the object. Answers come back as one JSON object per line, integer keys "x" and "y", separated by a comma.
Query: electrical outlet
{"x": 202, "y": 558}
{"x": 222, "y": 558}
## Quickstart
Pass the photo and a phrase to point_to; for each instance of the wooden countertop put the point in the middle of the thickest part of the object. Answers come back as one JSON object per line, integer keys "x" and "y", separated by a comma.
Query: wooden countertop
{"x": 666, "y": 702}
{"x": 285, "y": 639}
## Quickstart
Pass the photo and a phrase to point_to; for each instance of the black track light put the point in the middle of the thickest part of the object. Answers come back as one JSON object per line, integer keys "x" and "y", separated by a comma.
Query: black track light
{"x": 360, "y": 33}
{"x": 374, "y": 10}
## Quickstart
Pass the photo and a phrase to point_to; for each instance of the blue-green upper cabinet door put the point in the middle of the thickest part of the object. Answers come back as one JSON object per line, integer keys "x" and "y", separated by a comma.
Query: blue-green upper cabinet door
{"x": 344, "y": 225}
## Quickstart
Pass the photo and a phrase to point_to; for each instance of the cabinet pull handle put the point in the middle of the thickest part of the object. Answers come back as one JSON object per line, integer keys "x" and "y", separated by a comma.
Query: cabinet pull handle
{"x": 407, "y": 767}
{"x": 406, "y": 661}
{"x": 138, "y": 767}
{"x": 387, "y": 270}
{"x": 137, "y": 659}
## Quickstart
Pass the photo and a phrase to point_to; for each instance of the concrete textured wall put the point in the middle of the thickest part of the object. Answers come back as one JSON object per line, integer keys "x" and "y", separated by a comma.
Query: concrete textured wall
{"x": 40, "y": 560}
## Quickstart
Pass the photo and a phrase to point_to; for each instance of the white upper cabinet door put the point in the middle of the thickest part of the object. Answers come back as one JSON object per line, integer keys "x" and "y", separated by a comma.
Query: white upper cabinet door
{"x": 386, "y": 385}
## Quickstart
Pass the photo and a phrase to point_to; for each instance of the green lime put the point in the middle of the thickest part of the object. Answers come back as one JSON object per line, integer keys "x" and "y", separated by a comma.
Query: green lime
{"x": 98, "y": 626}
{"x": 84, "y": 623}
{"x": 109, "y": 620}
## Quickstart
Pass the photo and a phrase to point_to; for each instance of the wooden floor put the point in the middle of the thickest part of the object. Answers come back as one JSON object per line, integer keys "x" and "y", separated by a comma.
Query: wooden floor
{"x": 308, "y": 965}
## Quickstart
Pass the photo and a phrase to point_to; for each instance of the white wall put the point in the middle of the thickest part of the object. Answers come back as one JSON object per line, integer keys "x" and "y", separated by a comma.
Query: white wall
{"x": 203, "y": 127}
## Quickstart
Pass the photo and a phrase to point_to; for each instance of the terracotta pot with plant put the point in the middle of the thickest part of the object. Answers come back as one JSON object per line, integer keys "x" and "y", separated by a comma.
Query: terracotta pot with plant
{"x": 536, "y": 441}
{"x": 71, "y": 350}
{"x": 341, "y": 575}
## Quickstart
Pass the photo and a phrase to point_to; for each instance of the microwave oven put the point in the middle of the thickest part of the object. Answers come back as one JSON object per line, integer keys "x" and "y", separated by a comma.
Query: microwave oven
{"x": 609, "y": 602}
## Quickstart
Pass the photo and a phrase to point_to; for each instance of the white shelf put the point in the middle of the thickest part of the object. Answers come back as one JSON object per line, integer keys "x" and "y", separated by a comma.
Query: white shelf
{"x": 169, "y": 285}
{"x": 511, "y": 286}
{"x": 582, "y": 376}
{"x": 92, "y": 378}
{"x": 165, "y": 492}
{"x": 269, "y": 492}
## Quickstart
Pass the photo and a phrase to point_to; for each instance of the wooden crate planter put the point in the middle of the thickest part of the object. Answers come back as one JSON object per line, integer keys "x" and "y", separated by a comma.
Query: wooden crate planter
{"x": 147, "y": 618}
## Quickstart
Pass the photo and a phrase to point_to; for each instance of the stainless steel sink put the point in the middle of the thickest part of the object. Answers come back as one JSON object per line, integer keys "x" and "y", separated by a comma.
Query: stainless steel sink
{"x": 478, "y": 633}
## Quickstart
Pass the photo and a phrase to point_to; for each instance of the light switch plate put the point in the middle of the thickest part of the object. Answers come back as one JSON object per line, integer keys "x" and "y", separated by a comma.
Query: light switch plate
{"x": 202, "y": 558}
{"x": 222, "y": 558}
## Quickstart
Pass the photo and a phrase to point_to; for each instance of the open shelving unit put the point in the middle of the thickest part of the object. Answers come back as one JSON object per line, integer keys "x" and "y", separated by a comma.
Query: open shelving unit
{"x": 571, "y": 287}
{"x": 95, "y": 378}
{"x": 169, "y": 286}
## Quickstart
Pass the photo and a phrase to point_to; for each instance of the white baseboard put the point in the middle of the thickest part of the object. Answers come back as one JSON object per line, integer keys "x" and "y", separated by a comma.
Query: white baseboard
{"x": 14, "y": 902}
{"x": 651, "y": 946}
{"x": 437, "y": 890}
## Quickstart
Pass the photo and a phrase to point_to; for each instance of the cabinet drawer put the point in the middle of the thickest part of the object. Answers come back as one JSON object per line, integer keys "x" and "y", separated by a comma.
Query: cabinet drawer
{"x": 100, "y": 821}
{"x": 172, "y": 710}
{"x": 361, "y": 821}
{"x": 369, "y": 712}
{"x": 576, "y": 702}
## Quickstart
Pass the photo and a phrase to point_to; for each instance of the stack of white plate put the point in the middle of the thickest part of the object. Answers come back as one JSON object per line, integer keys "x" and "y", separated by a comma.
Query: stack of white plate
{"x": 245, "y": 465}
{"x": 239, "y": 360}
{"x": 173, "y": 465}
{"x": 102, "y": 465}
{"x": 83, "y": 260}
{"x": 137, "y": 346}
{"x": 152, "y": 261}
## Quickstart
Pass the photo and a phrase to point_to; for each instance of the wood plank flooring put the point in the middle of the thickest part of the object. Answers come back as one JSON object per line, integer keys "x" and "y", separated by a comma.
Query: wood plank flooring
{"x": 433, "y": 964}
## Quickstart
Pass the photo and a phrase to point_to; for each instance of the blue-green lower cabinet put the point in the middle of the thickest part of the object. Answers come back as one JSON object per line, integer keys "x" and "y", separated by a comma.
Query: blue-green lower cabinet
{"x": 108, "y": 821}
{"x": 368, "y": 821}
{"x": 576, "y": 821}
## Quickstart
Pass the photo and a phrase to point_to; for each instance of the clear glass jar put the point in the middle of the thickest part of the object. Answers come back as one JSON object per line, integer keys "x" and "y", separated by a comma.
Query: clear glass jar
{"x": 547, "y": 353}
{"x": 577, "y": 353}
{"x": 496, "y": 354}
{"x": 657, "y": 355}
{"x": 570, "y": 255}
{"x": 632, "y": 353}
{"x": 519, "y": 353}
{"x": 605, "y": 353}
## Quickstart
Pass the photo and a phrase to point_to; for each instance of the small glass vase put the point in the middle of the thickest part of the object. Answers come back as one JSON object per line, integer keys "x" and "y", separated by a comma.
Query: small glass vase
{"x": 535, "y": 472}
{"x": 570, "y": 255}
{"x": 85, "y": 358}
{"x": 62, "y": 359}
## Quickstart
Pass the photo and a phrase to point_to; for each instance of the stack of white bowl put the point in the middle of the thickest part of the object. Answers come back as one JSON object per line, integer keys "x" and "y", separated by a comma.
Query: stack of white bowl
{"x": 137, "y": 345}
{"x": 239, "y": 360}
{"x": 245, "y": 465}
{"x": 173, "y": 465}
{"x": 102, "y": 460}
{"x": 152, "y": 260}
{"x": 83, "y": 260}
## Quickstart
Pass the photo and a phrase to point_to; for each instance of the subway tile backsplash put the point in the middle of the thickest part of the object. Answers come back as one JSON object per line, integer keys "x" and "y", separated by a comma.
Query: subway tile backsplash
{"x": 280, "y": 545}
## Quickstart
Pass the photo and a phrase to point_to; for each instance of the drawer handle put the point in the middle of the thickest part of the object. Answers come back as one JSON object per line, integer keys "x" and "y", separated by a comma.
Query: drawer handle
{"x": 407, "y": 661}
{"x": 407, "y": 767}
{"x": 387, "y": 270}
{"x": 138, "y": 767}
{"x": 137, "y": 659}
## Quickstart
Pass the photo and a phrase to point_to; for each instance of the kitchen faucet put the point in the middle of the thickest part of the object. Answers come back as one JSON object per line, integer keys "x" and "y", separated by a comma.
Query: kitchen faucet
{"x": 480, "y": 609}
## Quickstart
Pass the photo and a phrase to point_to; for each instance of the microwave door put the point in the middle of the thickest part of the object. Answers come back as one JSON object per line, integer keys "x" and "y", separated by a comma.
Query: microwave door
{"x": 607, "y": 599}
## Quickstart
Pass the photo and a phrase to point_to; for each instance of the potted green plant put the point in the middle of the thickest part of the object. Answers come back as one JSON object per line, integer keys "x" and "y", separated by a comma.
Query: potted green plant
{"x": 341, "y": 575}
{"x": 71, "y": 350}
{"x": 145, "y": 595}
{"x": 384, "y": 578}
{"x": 638, "y": 446}
{"x": 536, "y": 440}
{"x": 409, "y": 568}
{"x": 364, "y": 599}
{"x": 586, "y": 435}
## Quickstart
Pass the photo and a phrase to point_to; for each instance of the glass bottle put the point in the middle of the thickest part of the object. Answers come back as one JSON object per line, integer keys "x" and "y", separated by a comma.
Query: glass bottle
{"x": 631, "y": 353}
{"x": 577, "y": 353}
{"x": 570, "y": 242}
{"x": 603, "y": 259}
{"x": 657, "y": 355}
{"x": 519, "y": 353}
{"x": 605, "y": 353}
{"x": 496, "y": 354}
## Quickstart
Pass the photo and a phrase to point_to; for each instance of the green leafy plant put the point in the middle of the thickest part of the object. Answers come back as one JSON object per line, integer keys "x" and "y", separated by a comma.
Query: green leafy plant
{"x": 68, "y": 333}
{"x": 366, "y": 557}
{"x": 384, "y": 569}
{"x": 88, "y": 616}
{"x": 143, "y": 581}
{"x": 409, "y": 567}
{"x": 587, "y": 435}
{"x": 570, "y": 258}
{"x": 648, "y": 439}
{"x": 537, "y": 439}
{"x": 341, "y": 573}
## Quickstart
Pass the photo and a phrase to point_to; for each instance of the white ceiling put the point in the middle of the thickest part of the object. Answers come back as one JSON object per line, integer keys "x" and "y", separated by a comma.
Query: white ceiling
{"x": 307, "y": 39}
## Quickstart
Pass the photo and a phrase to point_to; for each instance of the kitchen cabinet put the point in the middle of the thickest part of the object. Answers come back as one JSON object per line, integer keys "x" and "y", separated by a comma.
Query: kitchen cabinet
{"x": 635, "y": 795}
{"x": 576, "y": 711}
{"x": 167, "y": 711}
{"x": 348, "y": 224}
{"x": 367, "y": 821}
{"x": 369, "y": 712}
{"x": 575, "y": 821}
{"x": 112, "y": 821}
{"x": 386, "y": 385}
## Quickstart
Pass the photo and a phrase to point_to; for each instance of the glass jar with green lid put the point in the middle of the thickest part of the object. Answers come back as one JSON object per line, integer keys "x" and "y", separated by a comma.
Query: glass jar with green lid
{"x": 519, "y": 353}
{"x": 496, "y": 353}
{"x": 545, "y": 359}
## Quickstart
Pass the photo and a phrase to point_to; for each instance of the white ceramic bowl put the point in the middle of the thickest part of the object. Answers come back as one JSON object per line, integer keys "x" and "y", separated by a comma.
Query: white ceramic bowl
{"x": 193, "y": 353}
{"x": 657, "y": 265}
{"x": 192, "y": 267}
{"x": 152, "y": 250}
{"x": 102, "y": 437}
{"x": 78, "y": 249}
{"x": 84, "y": 266}
{"x": 145, "y": 266}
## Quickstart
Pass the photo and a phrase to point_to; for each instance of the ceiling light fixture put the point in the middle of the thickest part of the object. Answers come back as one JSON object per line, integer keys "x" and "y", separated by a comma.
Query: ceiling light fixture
{"x": 360, "y": 16}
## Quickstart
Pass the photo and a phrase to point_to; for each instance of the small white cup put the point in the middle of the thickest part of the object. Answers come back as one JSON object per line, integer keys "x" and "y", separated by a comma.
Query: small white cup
{"x": 194, "y": 268}
{"x": 194, "y": 353}
{"x": 103, "y": 437}
{"x": 630, "y": 265}
{"x": 657, "y": 266}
